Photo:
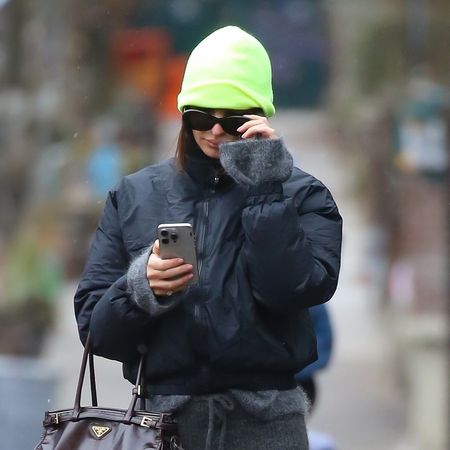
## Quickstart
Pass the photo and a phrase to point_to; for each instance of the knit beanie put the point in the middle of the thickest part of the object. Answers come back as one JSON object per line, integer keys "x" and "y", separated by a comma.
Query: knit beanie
{"x": 229, "y": 69}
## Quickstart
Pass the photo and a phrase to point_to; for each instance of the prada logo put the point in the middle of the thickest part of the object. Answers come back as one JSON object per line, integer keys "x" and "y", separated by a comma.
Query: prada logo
{"x": 99, "y": 431}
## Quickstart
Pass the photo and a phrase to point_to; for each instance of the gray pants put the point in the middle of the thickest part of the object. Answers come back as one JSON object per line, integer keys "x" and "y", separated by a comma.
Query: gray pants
{"x": 208, "y": 424}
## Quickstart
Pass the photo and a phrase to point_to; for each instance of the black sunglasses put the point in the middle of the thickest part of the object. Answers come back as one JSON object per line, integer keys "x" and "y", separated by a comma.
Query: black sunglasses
{"x": 199, "y": 120}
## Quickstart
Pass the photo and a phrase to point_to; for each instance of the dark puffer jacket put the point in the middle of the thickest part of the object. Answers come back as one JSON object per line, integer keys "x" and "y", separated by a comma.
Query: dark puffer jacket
{"x": 265, "y": 257}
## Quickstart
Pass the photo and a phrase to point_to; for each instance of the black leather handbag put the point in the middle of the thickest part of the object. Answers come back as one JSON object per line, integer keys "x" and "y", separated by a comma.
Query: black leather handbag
{"x": 97, "y": 428}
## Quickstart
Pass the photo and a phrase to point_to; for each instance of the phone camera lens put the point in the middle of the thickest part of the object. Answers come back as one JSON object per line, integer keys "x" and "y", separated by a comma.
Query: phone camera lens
{"x": 174, "y": 236}
{"x": 164, "y": 233}
{"x": 165, "y": 240}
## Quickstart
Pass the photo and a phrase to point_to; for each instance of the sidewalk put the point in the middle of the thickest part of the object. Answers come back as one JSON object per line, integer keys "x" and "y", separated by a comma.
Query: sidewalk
{"x": 359, "y": 402}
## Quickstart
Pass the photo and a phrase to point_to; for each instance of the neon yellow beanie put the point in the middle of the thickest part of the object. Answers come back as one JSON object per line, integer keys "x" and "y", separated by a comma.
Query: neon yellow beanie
{"x": 229, "y": 69}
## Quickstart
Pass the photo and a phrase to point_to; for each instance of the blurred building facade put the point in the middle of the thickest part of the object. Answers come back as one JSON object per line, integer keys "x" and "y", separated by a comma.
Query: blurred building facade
{"x": 391, "y": 99}
{"x": 84, "y": 87}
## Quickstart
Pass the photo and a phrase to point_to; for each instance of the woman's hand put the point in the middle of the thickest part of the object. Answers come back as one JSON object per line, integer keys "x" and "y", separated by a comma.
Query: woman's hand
{"x": 257, "y": 162}
{"x": 257, "y": 126}
{"x": 167, "y": 276}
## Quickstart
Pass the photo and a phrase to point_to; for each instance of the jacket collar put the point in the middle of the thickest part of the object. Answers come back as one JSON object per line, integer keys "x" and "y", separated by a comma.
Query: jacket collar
{"x": 205, "y": 170}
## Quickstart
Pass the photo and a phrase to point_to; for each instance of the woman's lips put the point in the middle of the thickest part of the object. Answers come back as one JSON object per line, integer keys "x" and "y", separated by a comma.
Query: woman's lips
{"x": 213, "y": 144}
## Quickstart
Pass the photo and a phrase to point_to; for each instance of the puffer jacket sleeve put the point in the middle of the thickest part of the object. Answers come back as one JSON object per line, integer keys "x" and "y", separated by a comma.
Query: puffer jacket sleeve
{"x": 292, "y": 245}
{"x": 103, "y": 302}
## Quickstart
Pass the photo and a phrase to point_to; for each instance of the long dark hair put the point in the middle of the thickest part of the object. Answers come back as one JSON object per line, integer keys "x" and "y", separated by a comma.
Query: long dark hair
{"x": 185, "y": 139}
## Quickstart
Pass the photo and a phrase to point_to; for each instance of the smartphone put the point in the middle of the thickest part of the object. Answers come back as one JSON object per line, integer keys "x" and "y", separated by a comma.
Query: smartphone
{"x": 177, "y": 240}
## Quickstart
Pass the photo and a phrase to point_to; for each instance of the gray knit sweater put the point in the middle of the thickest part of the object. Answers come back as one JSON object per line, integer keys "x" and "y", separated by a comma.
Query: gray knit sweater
{"x": 266, "y": 405}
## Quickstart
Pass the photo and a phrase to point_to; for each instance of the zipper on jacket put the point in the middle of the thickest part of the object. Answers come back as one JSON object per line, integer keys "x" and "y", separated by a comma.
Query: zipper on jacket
{"x": 204, "y": 222}
{"x": 201, "y": 241}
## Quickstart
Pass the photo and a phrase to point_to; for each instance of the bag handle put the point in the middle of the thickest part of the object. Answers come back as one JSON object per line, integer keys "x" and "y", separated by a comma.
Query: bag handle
{"x": 88, "y": 356}
{"x": 92, "y": 382}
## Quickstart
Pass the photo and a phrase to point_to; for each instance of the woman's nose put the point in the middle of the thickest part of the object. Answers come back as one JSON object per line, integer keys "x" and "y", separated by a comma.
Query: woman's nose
{"x": 217, "y": 129}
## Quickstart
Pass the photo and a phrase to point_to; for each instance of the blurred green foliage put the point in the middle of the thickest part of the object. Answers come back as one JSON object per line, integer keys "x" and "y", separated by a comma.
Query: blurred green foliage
{"x": 387, "y": 52}
{"x": 32, "y": 273}
{"x": 381, "y": 56}
{"x": 32, "y": 281}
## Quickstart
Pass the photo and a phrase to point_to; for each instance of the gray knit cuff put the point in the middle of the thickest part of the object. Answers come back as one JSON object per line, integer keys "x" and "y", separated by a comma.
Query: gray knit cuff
{"x": 140, "y": 290}
{"x": 253, "y": 162}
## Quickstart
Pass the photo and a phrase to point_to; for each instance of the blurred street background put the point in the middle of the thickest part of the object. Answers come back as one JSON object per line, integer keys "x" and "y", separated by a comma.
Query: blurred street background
{"x": 88, "y": 94}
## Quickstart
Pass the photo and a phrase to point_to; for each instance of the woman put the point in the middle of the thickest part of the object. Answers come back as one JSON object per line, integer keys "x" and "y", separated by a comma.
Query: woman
{"x": 221, "y": 354}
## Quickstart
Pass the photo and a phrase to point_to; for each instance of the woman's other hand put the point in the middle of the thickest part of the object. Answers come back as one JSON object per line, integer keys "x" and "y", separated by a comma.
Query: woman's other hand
{"x": 257, "y": 126}
{"x": 167, "y": 276}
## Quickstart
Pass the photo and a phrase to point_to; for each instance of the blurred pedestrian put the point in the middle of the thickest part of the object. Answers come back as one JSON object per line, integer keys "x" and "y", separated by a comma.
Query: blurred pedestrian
{"x": 307, "y": 378}
{"x": 222, "y": 353}
{"x": 105, "y": 164}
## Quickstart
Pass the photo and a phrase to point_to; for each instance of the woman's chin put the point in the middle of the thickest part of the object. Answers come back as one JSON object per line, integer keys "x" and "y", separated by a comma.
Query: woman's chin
{"x": 211, "y": 151}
